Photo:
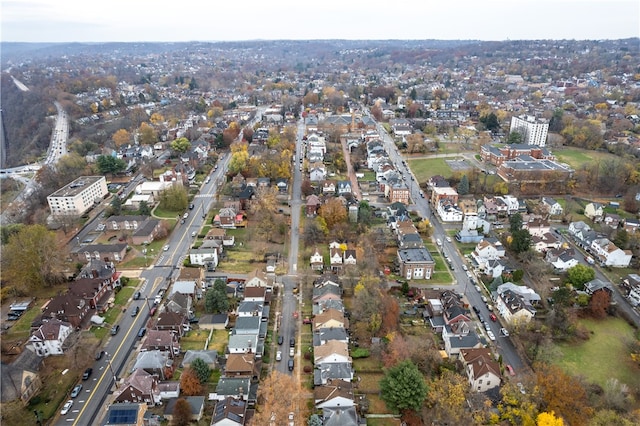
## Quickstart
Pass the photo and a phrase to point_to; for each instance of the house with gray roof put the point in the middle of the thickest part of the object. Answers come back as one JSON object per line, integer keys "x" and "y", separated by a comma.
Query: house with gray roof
{"x": 210, "y": 357}
{"x": 332, "y": 371}
{"x": 21, "y": 378}
{"x": 229, "y": 412}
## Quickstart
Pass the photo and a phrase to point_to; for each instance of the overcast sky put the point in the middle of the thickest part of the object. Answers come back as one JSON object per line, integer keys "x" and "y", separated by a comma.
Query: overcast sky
{"x": 217, "y": 20}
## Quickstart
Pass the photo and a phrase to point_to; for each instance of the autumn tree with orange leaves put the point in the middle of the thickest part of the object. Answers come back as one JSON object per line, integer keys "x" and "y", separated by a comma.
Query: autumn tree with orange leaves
{"x": 279, "y": 394}
{"x": 563, "y": 394}
{"x": 189, "y": 383}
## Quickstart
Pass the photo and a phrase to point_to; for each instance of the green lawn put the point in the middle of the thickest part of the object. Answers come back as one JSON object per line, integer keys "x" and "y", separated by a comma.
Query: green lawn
{"x": 603, "y": 356}
{"x": 219, "y": 341}
{"x": 194, "y": 340}
{"x": 423, "y": 169}
{"x": 124, "y": 295}
{"x": 575, "y": 157}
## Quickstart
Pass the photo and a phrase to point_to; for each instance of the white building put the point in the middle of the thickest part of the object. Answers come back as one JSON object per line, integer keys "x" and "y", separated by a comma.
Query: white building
{"x": 49, "y": 338}
{"x": 534, "y": 132}
{"x": 77, "y": 197}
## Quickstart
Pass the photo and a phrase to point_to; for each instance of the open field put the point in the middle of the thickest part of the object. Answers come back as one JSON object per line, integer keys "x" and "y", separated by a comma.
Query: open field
{"x": 603, "y": 356}
{"x": 576, "y": 157}
{"x": 423, "y": 169}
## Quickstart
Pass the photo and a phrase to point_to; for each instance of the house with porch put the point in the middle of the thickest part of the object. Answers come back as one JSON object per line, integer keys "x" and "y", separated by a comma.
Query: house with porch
{"x": 139, "y": 387}
{"x": 482, "y": 370}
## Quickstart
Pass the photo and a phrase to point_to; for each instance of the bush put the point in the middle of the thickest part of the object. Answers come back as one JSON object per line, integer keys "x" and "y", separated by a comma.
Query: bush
{"x": 360, "y": 353}
{"x": 307, "y": 369}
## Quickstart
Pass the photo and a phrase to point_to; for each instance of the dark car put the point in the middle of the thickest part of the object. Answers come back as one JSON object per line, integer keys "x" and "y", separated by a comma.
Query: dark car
{"x": 280, "y": 340}
{"x": 292, "y": 342}
{"x": 135, "y": 311}
{"x": 99, "y": 355}
{"x": 476, "y": 310}
{"x": 136, "y": 296}
{"x": 76, "y": 391}
{"x": 290, "y": 364}
{"x": 141, "y": 332}
{"x": 115, "y": 329}
{"x": 191, "y": 206}
{"x": 87, "y": 373}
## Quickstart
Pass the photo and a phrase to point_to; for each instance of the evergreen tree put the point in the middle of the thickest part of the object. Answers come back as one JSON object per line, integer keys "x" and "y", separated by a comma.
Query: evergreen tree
{"x": 463, "y": 185}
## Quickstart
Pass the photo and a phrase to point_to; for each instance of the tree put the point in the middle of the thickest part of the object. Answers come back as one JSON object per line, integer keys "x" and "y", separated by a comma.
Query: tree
{"x": 147, "y": 134}
{"x": 116, "y": 205}
{"x": 490, "y": 122}
{"x": 314, "y": 420}
{"x": 515, "y": 137}
{"x": 563, "y": 394}
{"x": 549, "y": 419}
{"x": 181, "y": 413}
{"x": 216, "y": 301}
{"x": 108, "y": 164}
{"x": 180, "y": 145}
{"x": 463, "y": 185}
{"x": 403, "y": 387}
{"x": 515, "y": 222}
{"x": 364, "y": 212}
{"x": 121, "y": 138}
{"x": 144, "y": 209}
{"x": 279, "y": 394}
{"x": 201, "y": 369}
{"x": 333, "y": 212}
{"x": 521, "y": 241}
{"x": 599, "y": 303}
{"x": 621, "y": 239}
{"x": 174, "y": 198}
{"x": 32, "y": 259}
{"x": 189, "y": 383}
{"x": 447, "y": 398}
{"x": 579, "y": 275}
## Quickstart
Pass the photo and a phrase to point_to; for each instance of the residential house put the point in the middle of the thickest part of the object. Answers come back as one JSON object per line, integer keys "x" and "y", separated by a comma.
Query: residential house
{"x": 631, "y": 283}
{"x": 594, "y": 211}
{"x": 173, "y": 322}
{"x": 180, "y": 303}
{"x": 322, "y": 336}
{"x": 459, "y": 336}
{"x": 206, "y": 254}
{"x": 331, "y": 352}
{"x": 257, "y": 278}
{"x": 448, "y": 211}
{"x": 317, "y": 173}
{"x": 330, "y": 318}
{"x": 334, "y": 394}
{"x": 324, "y": 373}
{"x": 125, "y": 415}
{"x": 312, "y": 205}
{"x": 247, "y": 325}
{"x": 196, "y": 403}
{"x": 486, "y": 250}
{"x": 562, "y": 258}
{"x": 612, "y": 220}
{"x": 631, "y": 225}
{"x": 243, "y": 365}
{"x": 243, "y": 344}
{"x": 213, "y": 321}
{"x": 323, "y": 305}
{"x": 335, "y": 258}
{"x": 248, "y": 309}
{"x": 125, "y": 223}
{"x": 156, "y": 363}
{"x": 545, "y": 242}
{"x": 481, "y": 367}
{"x": 349, "y": 257}
{"x": 443, "y": 193}
{"x": 169, "y": 389}
{"x": 94, "y": 291}
{"x": 608, "y": 254}
{"x": 20, "y": 379}
{"x": 316, "y": 261}
{"x": 536, "y": 226}
{"x": 513, "y": 307}
{"x": 338, "y": 416}
{"x": 415, "y": 263}
{"x": 329, "y": 187}
{"x": 139, "y": 387}
{"x": 552, "y": 206}
{"x": 235, "y": 387}
{"x": 106, "y": 252}
{"x": 49, "y": 338}
{"x": 68, "y": 308}
{"x": 344, "y": 187}
{"x": 229, "y": 412}
{"x": 161, "y": 340}
{"x": 596, "y": 285}
{"x": 186, "y": 287}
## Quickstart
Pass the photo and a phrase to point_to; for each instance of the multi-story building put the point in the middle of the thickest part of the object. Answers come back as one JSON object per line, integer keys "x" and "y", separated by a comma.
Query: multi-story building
{"x": 534, "y": 132}
{"x": 77, "y": 197}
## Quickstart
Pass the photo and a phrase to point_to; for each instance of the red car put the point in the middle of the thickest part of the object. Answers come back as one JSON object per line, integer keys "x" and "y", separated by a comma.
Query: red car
{"x": 510, "y": 370}
{"x": 493, "y": 317}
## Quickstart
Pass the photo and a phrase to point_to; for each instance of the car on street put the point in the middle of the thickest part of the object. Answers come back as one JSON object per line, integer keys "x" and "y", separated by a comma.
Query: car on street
{"x": 290, "y": 364}
{"x": 99, "y": 355}
{"x": 76, "y": 391}
{"x": 165, "y": 248}
{"x": 478, "y": 288}
{"x": 484, "y": 299}
{"x": 476, "y": 310}
{"x": 292, "y": 352}
{"x": 136, "y": 295}
{"x": 193, "y": 234}
{"x": 67, "y": 406}
{"x": 186, "y": 215}
{"x": 279, "y": 356}
{"x": 491, "y": 335}
{"x": 191, "y": 206}
{"x": 493, "y": 317}
{"x": 87, "y": 373}
{"x": 504, "y": 332}
{"x": 464, "y": 267}
{"x": 115, "y": 329}
{"x": 135, "y": 311}
{"x": 448, "y": 238}
{"x": 280, "y": 340}
{"x": 510, "y": 370}
{"x": 141, "y": 332}
{"x": 292, "y": 342}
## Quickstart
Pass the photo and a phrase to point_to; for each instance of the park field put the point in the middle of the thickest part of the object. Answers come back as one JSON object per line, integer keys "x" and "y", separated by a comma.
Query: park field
{"x": 603, "y": 356}
{"x": 576, "y": 157}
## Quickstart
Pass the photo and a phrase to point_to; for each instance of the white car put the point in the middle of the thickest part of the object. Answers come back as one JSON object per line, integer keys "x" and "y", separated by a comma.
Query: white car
{"x": 491, "y": 335}
{"x": 279, "y": 356}
{"x": 66, "y": 407}
{"x": 448, "y": 239}
{"x": 504, "y": 332}
{"x": 165, "y": 248}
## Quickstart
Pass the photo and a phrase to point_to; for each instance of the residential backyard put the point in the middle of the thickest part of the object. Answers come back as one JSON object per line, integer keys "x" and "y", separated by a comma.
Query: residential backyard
{"x": 605, "y": 355}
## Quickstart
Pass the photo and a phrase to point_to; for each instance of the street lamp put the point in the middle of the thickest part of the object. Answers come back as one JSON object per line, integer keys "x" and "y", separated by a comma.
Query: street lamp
{"x": 115, "y": 378}
{"x": 148, "y": 306}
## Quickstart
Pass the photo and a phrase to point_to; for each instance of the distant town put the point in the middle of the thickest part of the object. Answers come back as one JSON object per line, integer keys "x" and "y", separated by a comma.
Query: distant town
{"x": 321, "y": 232}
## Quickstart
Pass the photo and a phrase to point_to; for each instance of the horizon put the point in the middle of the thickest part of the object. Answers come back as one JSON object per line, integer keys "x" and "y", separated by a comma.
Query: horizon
{"x": 72, "y": 21}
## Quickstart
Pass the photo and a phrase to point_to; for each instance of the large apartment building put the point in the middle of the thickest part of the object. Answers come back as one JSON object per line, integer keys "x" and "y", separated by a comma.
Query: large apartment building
{"x": 533, "y": 131}
{"x": 77, "y": 197}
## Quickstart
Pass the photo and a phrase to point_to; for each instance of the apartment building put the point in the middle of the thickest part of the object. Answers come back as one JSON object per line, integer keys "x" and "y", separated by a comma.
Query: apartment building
{"x": 77, "y": 197}
{"x": 534, "y": 132}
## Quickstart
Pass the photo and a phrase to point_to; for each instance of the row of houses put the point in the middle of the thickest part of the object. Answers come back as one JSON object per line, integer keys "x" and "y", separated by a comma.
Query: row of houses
{"x": 333, "y": 371}
{"x": 603, "y": 250}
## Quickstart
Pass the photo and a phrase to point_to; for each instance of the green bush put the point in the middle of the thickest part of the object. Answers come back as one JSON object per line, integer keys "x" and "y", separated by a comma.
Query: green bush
{"x": 360, "y": 353}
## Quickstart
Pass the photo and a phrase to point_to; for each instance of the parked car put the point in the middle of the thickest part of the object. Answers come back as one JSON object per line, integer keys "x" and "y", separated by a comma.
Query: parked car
{"x": 76, "y": 391}
{"x": 504, "y": 332}
{"x": 280, "y": 340}
{"x": 191, "y": 206}
{"x": 292, "y": 342}
{"x": 67, "y": 406}
{"x": 493, "y": 317}
{"x": 136, "y": 295}
{"x": 290, "y": 364}
{"x": 165, "y": 248}
{"x": 141, "y": 332}
{"x": 292, "y": 352}
{"x": 186, "y": 215}
{"x": 491, "y": 335}
{"x": 115, "y": 329}
{"x": 279, "y": 356}
{"x": 135, "y": 311}
{"x": 99, "y": 355}
{"x": 87, "y": 373}
{"x": 510, "y": 370}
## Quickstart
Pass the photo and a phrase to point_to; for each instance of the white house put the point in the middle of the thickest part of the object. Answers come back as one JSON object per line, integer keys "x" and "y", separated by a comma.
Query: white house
{"x": 49, "y": 338}
{"x": 242, "y": 343}
{"x": 594, "y": 211}
{"x": 331, "y": 352}
{"x": 609, "y": 254}
{"x": 487, "y": 250}
{"x": 561, "y": 258}
{"x": 204, "y": 256}
{"x": 553, "y": 207}
{"x": 449, "y": 212}
{"x": 316, "y": 261}
{"x": 481, "y": 367}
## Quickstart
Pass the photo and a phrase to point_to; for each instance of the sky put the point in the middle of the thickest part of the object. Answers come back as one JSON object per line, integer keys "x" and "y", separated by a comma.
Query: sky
{"x": 220, "y": 20}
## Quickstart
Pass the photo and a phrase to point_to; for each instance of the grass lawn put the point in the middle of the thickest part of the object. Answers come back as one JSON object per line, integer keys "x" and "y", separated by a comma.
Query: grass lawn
{"x": 603, "y": 356}
{"x": 423, "y": 169}
{"x": 124, "y": 295}
{"x": 385, "y": 421}
{"x": 219, "y": 341}
{"x": 194, "y": 340}
{"x": 575, "y": 157}
{"x": 100, "y": 332}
